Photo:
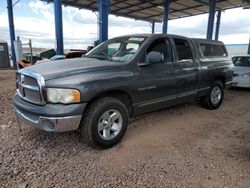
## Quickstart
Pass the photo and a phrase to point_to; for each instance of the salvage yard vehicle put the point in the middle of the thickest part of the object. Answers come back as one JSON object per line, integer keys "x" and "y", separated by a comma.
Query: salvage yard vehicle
{"x": 121, "y": 78}
{"x": 241, "y": 71}
{"x": 37, "y": 60}
{"x": 54, "y": 58}
{"x": 26, "y": 60}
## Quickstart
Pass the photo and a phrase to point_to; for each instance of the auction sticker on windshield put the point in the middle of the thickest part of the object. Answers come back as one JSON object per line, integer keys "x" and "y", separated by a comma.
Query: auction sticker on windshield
{"x": 140, "y": 39}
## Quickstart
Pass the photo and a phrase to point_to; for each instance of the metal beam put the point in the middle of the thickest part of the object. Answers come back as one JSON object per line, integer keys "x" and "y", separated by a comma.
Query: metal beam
{"x": 129, "y": 5}
{"x": 174, "y": 11}
{"x": 217, "y": 30}
{"x": 165, "y": 16}
{"x": 152, "y": 5}
{"x": 120, "y": 14}
{"x": 116, "y": 3}
{"x": 12, "y": 32}
{"x": 153, "y": 27}
{"x": 157, "y": 17}
{"x": 58, "y": 26}
{"x": 103, "y": 8}
{"x": 206, "y": 3}
{"x": 210, "y": 25}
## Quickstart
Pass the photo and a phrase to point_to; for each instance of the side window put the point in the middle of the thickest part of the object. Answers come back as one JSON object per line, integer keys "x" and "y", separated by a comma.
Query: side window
{"x": 164, "y": 47}
{"x": 113, "y": 48}
{"x": 213, "y": 50}
{"x": 183, "y": 49}
{"x": 132, "y": 47}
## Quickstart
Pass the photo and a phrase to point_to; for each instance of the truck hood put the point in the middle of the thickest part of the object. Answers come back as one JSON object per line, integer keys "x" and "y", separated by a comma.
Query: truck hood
{"x": 241, "y": 70}
{"x": 60, "y": 68}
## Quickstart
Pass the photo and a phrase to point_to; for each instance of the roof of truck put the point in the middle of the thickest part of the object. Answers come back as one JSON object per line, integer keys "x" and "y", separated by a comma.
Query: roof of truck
{"x": 171, "y": 35}
{"x": 200, "y": 40}
{"x": 196, "y": 40}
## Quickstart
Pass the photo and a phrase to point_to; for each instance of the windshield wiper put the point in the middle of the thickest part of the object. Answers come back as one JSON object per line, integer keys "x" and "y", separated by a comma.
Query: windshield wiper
{"x": 102, "y": 56}
{"x": 96, "y": 57}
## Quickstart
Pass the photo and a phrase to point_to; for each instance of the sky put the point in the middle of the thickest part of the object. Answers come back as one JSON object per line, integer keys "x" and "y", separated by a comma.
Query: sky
{"x": 34, "y": 20}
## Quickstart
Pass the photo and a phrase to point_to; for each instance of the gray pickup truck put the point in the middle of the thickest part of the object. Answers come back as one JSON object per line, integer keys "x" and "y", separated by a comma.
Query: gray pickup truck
{"x": 119, "y": 79}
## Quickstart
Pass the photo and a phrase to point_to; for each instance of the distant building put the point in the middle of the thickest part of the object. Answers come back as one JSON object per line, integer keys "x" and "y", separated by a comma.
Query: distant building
{"x": 4, "y": 55}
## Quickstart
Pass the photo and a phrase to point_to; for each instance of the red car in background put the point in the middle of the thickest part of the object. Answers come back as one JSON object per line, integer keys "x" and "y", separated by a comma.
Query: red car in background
{"x": 68, "y": 55}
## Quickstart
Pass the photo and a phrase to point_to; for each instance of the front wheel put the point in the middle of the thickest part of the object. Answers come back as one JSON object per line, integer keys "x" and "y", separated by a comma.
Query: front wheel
{"x": 215, "y": 96}
{"x": 104, "y": 123}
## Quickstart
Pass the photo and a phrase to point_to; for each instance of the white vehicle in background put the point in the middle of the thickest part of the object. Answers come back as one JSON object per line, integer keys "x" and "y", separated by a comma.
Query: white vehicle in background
{"x": 241, "y": 71}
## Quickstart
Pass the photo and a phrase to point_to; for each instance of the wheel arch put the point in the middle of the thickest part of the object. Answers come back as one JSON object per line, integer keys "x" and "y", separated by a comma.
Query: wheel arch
{"x": 121, "y": 95}
{"x": 222, "y": 79}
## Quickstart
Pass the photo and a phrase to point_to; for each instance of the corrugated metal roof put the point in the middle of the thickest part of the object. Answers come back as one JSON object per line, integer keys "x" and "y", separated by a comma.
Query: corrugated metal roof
{"x": 152, "y": 10}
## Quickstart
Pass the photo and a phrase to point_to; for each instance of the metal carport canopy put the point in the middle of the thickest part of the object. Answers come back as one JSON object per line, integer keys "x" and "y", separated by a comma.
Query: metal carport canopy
{"x": 152, "y": 10}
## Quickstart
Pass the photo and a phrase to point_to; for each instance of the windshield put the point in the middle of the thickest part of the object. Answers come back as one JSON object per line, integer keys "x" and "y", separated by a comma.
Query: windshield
{"x": 241, "y": 61}
{"x": 121, "y": 49}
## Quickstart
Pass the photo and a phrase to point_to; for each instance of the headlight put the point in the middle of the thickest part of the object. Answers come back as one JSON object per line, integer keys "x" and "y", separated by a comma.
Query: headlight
{"x": 65, "y": 96}
{"x": 246, "y": 75}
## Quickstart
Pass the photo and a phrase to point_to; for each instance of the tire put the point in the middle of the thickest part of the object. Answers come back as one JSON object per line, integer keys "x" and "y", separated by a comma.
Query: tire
{"x": 104, "y": 123}
{"x": 215, "y": 96}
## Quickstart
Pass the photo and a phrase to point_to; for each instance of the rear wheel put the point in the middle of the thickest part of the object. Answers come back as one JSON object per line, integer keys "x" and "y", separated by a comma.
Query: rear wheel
{"x": 215, "y": 96}
{"x": 104, "y": 123}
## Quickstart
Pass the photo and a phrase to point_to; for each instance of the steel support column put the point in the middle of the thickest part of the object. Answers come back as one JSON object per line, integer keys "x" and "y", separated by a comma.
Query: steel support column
{"x": 165, "y": 16}
{"x": 210, "y": 26}
{"x": 58, "y": 26}
{"x": 103, "y": 8}
{"x": 217, "y": 30}
{"x": 12, "y": 31}
{"x": 153, "y": 27}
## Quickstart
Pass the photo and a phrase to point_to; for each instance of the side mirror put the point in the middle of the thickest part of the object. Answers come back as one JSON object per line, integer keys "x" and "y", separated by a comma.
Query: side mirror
{"x": 154, "y": 57}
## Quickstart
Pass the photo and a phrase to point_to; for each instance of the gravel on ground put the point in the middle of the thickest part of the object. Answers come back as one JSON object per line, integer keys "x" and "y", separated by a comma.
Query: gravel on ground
{"x": 183, "y": 146}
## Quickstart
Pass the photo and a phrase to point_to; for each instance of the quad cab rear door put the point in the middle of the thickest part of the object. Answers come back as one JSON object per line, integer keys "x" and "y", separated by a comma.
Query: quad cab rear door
{"x": 187, "y": 68}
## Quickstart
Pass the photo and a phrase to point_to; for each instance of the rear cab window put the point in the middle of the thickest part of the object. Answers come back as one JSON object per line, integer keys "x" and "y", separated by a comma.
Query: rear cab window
{"x": 210, "y": 50}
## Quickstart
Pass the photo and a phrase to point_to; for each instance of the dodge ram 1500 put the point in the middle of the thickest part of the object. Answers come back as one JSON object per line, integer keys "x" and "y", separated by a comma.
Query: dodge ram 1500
{"x": 121, "y": 78}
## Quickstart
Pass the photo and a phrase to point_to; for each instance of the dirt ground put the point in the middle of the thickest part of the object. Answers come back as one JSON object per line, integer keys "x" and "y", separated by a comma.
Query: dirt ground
{"x": 183, "y": 146}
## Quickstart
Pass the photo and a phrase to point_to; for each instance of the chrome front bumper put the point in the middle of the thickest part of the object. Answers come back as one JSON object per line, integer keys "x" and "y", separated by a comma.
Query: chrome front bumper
{"x": 49, "y": 117}
{"x": 50, "y": 124}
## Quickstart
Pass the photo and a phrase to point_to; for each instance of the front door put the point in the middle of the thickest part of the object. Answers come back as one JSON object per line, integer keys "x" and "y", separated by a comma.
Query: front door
{"x": 158, "y": 81}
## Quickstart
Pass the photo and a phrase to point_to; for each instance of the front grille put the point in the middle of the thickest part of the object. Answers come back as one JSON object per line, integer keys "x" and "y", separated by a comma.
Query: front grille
{"x": 29, "y": 88}
{"x": 30, "y": 81}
